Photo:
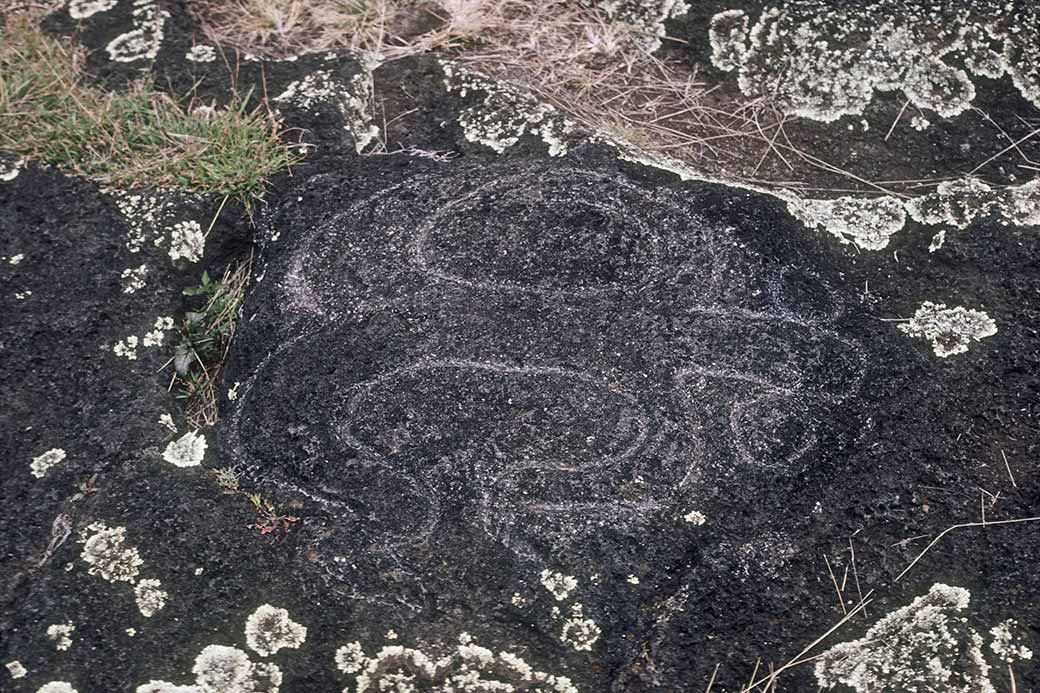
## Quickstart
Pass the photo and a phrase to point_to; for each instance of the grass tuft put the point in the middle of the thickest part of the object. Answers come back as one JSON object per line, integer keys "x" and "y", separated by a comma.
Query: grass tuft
{"x": 138, "y": 137}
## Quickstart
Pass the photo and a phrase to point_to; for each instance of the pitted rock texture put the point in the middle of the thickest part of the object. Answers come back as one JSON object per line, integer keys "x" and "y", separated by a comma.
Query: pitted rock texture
{"x": 603, "y": 423}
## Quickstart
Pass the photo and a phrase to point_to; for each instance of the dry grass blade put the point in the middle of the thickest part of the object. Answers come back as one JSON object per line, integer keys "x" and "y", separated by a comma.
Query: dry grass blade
{"x": 769, "y": 681}
{"x": 965, "y": 525}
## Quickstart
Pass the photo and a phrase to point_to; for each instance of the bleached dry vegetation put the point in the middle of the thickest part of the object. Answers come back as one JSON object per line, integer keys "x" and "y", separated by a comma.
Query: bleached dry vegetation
{"x": 597, "y": 69}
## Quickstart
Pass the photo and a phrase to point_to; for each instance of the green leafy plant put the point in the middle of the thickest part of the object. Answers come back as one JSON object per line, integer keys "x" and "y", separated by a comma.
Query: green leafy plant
{"x": 205, "y": 336}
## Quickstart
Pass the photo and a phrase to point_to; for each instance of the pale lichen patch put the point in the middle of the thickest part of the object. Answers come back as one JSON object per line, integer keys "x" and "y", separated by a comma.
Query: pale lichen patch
{"x": 504, "y": 114}
{"x": 150, "y": 597}
{"x": 223, "y": 669}
{"x": 868, "y": 223}
{"x": 126, "y": 348}
{"x": 469, "y": 668}
{"x": 956, "y": 203}
{"x": 186, "y": 451}
{"x": 187, "y": 241}
{"x": 558, "y": 584}
{"x": 727, "y": 36}
{"x": 1007, "y": 642}
{"x": 41, "y": 464}
{"x": 646, "y": 16}
{"x": 950, "y": 330}
{"x": 144, "y": 40}
{"x": 353, "y": 100}
{"x": 823, "y": 62}
{"x": 578, "y": 631}
{"x": 166, "y": 421}
{"x": 156, "y": 337}
{"x": 106, "y": 552}
{"x": 61, "y": 635}
{"x": 9, "y": 170}
{"x": 56, "y": 687}
{"x": 269, "y": 629}
{"x": 81, "y": 9}
{"x": 201, "y": 53}
{"x": 133, "y": 278}
{"x": 695, "y": 517}
{"x": 926, "y": 646}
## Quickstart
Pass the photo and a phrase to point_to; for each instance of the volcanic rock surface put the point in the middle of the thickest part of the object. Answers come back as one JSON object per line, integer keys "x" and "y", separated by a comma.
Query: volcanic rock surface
{"x": 635, "y": 431}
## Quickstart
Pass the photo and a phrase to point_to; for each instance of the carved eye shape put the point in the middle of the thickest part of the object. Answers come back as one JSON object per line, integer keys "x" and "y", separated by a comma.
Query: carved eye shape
{"x": 556, "y": 244}
{"x": 385, "y": 506}
{"x": 772, "y": 430}
{"x": 515, "y": 416}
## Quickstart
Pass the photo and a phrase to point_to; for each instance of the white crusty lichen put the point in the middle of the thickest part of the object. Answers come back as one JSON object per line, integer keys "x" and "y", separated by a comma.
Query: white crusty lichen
{"x": 960, "y": 202}
{"x": 144, "y": 40}
{"x": 150, "y": 597}
{"x": 578, "y": 631}
{"x": 352, "y": 100}
{"x": 925, "y": 646}
{"x": 695, "y": 517}
{"x": 469, "y": 668}
{"x": 133, "y": 278}
{"x": 357, "y": 110}
{"x": 187, "y": 241}
{"x": 920, "y": 123}
{"x": 727, "y": 34}
{"x": 955, "y": 203}
{"x": 56, "y": 687}
{"x": 42, "y": 463}
{"x": 645, "y": 16}
{"x": 126, "y": 348}
{"x": 201, "y": 53}
{"x": 81, "y": 9}
{"x": 504, "y": 113}
{"x": 558, "y": 584}
{"x": 16, "y": 669}
{"x": 1007, "y": 642}
{"x": 950, "y": 330}
{"x": 157, "y": 335}
{"x": 186, "y": 451}
{"x": 868, "y": 223}
{"x": 824, "y": 61}
{"x": 9, "y": 169}
{"x": 149, "y": 215}
{"x": 61, "y": 635}
{"x": 223, "y": 669}
{"x": 269, "y": 629}
{"x": 106, "y": 551}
